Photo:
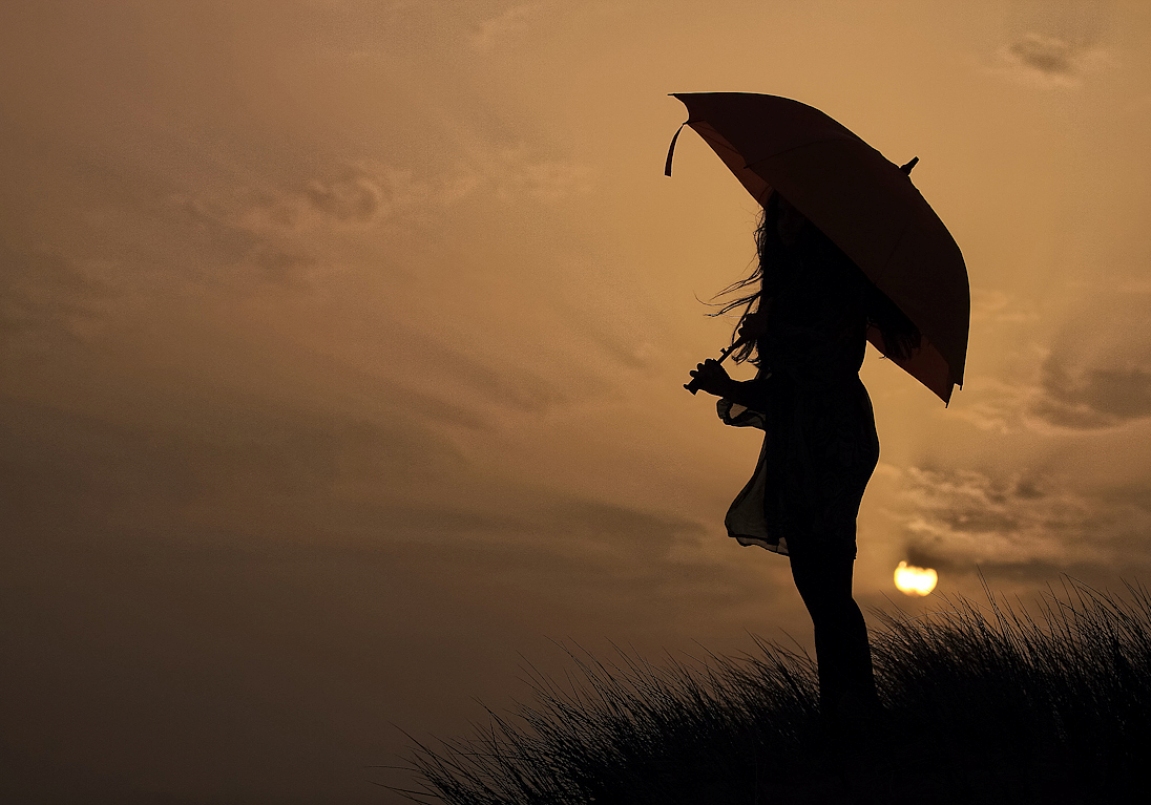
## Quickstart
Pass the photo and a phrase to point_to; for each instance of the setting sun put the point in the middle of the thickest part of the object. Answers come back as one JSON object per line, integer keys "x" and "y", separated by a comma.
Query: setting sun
{"x": 912, "y": 580}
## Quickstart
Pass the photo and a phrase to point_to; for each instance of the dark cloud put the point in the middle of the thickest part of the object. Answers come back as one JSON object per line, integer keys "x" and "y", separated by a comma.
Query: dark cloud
{"x": 47, "y": 295}
{"x": 1056, "y": 42}
{"x": 1096, "y": 375}
{"x": 1048, "y": 55}
{"x": 600, "y": 560}
{"x": 1051, "y": 60}
{"x": 206, "y": 465}
{"x": 549, "y": 541}
{"x": 280, "y": 265}
{"x": 1032, "y": 526}
{"x": 1092, "y": 397}
{"x": 1032, "y": 574}
{"x": 253, "y": 470}
{"x": 233, "y": 248}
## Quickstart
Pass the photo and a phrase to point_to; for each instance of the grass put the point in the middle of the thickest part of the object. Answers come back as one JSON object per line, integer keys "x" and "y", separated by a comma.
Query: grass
{"x": 981, "y": 705}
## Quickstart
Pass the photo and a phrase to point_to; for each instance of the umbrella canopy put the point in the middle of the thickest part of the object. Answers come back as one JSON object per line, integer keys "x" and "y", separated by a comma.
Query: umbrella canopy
{"x": 864, "y": 203}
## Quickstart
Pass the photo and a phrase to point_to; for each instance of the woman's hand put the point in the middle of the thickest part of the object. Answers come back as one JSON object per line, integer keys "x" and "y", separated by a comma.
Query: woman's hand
{"x": 712, "y": 378}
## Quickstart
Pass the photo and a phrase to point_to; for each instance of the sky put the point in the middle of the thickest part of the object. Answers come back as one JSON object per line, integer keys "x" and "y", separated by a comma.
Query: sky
{"x": 342, "y": 346}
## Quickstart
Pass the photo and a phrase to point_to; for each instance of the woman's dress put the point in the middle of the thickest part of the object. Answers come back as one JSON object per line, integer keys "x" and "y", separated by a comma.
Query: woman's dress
{"x": 820, "y": 445}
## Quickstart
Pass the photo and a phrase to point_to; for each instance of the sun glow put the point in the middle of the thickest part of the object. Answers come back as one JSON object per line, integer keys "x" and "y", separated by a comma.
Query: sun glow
{"x": 912, "y": 580}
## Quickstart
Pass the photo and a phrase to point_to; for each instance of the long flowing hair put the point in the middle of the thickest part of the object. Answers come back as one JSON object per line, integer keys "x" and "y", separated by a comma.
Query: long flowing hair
{"x": 901, "y": 338}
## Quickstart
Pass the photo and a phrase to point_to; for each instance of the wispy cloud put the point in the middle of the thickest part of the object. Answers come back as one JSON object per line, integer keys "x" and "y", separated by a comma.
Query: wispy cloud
{"x": 508, "y": 24}
{"x": 995, "y": 405}
{"x": 369, "y": 193}
{"x": 1050, "y": 61}
{"x": 513, "y": 173}
{"x": 998, "y": 307}
{"x": 356, "y": 197}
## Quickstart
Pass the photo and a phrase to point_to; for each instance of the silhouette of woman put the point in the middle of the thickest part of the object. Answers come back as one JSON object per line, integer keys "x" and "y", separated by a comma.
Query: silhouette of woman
{"x": 805, "y": 328}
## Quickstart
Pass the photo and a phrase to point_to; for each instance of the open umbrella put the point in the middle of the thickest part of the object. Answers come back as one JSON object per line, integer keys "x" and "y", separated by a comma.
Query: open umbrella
{"x": 865, "y": 204}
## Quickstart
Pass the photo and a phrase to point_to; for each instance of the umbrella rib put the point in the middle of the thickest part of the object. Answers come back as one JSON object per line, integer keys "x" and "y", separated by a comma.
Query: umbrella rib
{"x": 895, "y": 248}
{"x": 714, "y": 143}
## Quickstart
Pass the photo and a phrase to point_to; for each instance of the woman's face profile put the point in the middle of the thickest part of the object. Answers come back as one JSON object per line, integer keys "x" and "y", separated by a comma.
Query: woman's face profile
{"x": 788, "y": 222}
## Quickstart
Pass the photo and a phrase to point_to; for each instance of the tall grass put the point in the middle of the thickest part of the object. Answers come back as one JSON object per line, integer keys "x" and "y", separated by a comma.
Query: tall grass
{"x": 981, "y": 704}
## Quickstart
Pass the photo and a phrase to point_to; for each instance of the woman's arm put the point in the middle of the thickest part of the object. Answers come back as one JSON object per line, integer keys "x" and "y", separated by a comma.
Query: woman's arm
{"x": 748, "y": 393}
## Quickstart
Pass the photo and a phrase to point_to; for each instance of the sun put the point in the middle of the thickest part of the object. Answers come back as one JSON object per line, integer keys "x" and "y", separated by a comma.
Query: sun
{"x": 913, "y": 580}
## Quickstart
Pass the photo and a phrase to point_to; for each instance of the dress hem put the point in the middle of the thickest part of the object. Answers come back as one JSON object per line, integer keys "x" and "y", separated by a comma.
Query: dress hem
{"x": 775, "y": 546}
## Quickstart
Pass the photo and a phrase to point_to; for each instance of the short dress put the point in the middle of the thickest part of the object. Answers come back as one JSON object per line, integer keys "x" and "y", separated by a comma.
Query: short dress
{"x": 820, "y": 445}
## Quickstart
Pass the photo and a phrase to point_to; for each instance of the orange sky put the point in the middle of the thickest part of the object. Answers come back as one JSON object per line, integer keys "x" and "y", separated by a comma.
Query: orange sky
{"x": 342, "y": 343}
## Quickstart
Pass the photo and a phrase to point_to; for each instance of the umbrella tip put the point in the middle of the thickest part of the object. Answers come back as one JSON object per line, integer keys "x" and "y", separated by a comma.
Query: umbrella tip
{"x": 907, "y": 168}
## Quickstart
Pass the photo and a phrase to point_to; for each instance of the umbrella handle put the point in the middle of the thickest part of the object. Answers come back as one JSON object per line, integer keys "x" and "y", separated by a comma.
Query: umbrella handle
{"x": 693, "y": 386}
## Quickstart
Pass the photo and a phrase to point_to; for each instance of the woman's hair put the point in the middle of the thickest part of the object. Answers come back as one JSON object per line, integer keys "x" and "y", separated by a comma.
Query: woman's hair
{"x": 900, "y": 336}
{"x": 762, "y": 278}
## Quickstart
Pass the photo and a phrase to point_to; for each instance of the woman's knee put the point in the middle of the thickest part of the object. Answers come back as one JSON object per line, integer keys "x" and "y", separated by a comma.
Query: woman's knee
{"x": 825, "y": 586}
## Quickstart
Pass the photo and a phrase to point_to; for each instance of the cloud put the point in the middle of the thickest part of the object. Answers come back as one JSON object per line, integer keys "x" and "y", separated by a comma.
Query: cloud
{"x": 44, "y": 296}
{"x": 1064, "y": 400}
{"x": 995, "y": 405}
{"x": 242, "y": 477}
{"x": 1139, "y": 105}
{"x": 991, "y": 306}
{"x": 1026, "y": 525}
{"x": 210, "y": 457}
{"x": 513, "y": 174}
{"x": 274, "y": 233}
{"x": 280, "y": 265}
{"x": 509, "y": 23}
{"x": 1049, "y": 61}
{"x": 367, "y": 194}
{"x": 1045, "y": 54}
{"x": 1090, "y": 382}
{"x": 603, "y": 558}
{"x": 1091, "y": 397}
{"x": 355, "y": 197}
{"x": 569, "y": 529}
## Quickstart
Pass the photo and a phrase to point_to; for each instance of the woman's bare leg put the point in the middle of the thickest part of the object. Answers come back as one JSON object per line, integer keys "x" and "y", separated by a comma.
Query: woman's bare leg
{"x": 846, "y": 678}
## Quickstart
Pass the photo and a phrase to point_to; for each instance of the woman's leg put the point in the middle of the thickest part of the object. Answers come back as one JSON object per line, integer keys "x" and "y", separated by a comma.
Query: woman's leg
{"x": 846, "y": 679}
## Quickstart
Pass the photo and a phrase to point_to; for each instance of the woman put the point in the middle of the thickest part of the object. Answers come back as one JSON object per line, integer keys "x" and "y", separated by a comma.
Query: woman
{"x": 805, "y": 328}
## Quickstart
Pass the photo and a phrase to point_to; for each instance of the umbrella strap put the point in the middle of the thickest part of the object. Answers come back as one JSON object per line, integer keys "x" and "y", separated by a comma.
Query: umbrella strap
{"x": 671, "y": 149}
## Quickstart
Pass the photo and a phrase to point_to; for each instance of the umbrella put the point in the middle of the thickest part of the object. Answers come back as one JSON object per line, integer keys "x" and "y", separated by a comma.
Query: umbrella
{"x": 865, "y": 204}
